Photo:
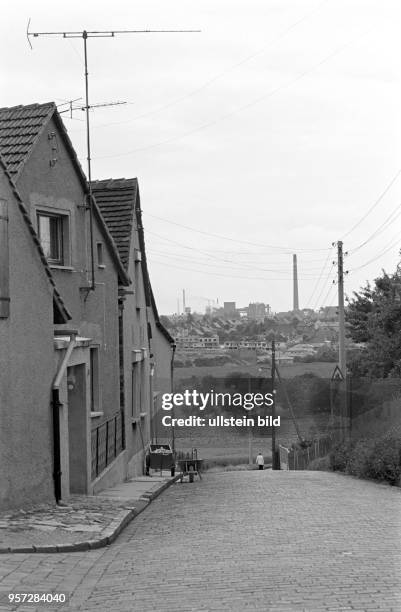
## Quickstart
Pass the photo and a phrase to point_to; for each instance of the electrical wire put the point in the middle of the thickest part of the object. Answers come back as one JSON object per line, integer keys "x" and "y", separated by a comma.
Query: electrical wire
{"x": 163, "y": 252}
{"x": 323, "y": 287}
{"x": 237, "y": 266}
{"x": 218, "y": 76}
{"x": 215, "y": 258}
{"x": 327, "y": 295}
{"x": 236, "y": 276}
{"x": 241, "y": 108}
{"x": 318, "y": 280}
{"x": 375, "y": 258}
{"x": 379, "y": 199}
{"x": 221, "y": 237}
{"x": 386, "y": 223}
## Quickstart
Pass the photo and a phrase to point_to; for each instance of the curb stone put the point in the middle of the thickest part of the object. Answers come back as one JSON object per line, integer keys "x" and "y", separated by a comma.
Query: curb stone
{"x": 112, "y": 532}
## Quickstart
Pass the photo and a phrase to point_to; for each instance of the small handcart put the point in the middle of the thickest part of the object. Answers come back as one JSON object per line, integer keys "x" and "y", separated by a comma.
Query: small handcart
{"x": 190, "y": 466}
{"x": 160, "y": 457}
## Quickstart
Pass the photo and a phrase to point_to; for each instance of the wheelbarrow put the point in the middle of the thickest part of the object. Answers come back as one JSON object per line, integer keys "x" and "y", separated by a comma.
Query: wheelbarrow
{"x": 190, "y": 467}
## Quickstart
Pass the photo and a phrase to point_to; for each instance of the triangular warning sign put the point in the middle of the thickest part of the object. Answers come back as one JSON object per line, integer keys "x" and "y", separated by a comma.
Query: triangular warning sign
{"x": 337, "y": 374}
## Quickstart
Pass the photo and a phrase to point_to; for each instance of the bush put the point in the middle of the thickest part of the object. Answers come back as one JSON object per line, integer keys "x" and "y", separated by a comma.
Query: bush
{"x": 339, "y": 456}
{"x": 320, "y": 464}
{"x": 385, "y": 463}
{"x": 360, "y": 458}
{"x": 377, "y": 460}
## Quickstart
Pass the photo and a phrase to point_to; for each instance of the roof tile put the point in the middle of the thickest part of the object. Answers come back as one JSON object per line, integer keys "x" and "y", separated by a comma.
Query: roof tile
{"x": 20, "y": 126}
{"x": 116, "y": 199}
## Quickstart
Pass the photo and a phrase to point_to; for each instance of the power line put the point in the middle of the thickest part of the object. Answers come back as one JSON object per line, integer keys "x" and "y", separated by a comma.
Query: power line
{"x": 175, "y": 255}
{"x": 215, "y": 258}
{"x": 375, "y": 258}
{"x": 236, "y": 110}
{"x": 379, "y": 199}
{"x": 237, "y": 266}
{"x": 289, "y": 250}
{"x": 324, "y": 285}
{"x": 318, "y": 280}
{"x": 218, "y": 76}
{"x": 236, "y": 276}
{"x": 386, "y": 223}
{"x": 332, "y": 286}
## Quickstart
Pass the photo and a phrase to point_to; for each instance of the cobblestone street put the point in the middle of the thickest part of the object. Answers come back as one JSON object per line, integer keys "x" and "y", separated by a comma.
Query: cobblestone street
{"x": 237, "y": 541}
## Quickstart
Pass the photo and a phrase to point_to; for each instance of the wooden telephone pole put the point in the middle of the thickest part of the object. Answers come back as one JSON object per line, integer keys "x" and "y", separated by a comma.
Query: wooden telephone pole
{"x": 342, "y": 358}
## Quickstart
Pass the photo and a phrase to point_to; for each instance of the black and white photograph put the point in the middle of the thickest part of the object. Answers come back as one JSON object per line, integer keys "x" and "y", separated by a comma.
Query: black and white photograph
{"x": 200, "y": 306}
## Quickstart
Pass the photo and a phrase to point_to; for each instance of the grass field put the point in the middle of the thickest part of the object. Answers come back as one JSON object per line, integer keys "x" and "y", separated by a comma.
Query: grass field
{"x": 322, "y": 369}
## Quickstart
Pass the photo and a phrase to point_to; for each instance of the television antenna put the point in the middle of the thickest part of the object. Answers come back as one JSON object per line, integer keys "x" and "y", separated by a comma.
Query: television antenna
{"x": 85, "y": 35}
{"x": 72, "y": 108}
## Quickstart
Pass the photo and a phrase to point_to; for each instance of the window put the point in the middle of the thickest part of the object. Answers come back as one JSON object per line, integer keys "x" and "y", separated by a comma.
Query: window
{"x": 51, "y": 230}
{"x": 99, "y": 249}
{"x": 136, "y": 389}
{"x": 94, "y": 379}
{"x": 4, "y": 262}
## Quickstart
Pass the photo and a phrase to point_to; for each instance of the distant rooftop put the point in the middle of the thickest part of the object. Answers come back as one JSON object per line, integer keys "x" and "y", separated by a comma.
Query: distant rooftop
{"x": 116, "y": 199}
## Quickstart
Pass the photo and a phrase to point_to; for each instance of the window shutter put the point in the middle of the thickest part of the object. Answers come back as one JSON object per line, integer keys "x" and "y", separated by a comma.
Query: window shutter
{"x": 4, "y": 262}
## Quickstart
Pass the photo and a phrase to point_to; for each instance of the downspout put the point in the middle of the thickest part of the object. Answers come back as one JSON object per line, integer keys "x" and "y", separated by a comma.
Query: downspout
{"x": 56, "y": 405}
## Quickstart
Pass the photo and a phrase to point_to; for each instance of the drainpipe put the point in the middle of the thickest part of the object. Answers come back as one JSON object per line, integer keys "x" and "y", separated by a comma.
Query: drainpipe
{"x": 56, "y": 405}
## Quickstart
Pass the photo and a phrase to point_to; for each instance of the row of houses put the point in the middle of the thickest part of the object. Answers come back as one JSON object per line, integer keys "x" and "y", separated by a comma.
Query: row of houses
{"x": 197, "y": 342}
{"x": 84, "y": 358}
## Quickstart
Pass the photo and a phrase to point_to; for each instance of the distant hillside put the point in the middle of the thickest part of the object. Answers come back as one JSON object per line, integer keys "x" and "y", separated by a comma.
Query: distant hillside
{"x": 299, "y": 328}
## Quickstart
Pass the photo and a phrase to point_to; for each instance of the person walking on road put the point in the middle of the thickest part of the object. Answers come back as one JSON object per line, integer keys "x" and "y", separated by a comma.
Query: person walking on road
{"x": 260, "y": 461}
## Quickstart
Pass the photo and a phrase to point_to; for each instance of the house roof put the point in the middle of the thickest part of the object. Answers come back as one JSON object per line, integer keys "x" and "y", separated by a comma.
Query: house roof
{"x": 60, "y": 310}
{"x": 117, "y": 199}
{"x": 20, "y": 127}
{"x": 119, "y": 202}
{"x": 20, "y": 130}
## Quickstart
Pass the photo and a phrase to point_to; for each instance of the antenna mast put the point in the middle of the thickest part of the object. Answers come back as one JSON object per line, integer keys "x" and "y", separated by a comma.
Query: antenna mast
{"x": 85, "y": 34}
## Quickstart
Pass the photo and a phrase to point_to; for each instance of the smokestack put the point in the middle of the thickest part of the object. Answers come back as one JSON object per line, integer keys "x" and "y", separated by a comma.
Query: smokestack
{"x": 295, "y": 280}
{"x": 183, "y": 301}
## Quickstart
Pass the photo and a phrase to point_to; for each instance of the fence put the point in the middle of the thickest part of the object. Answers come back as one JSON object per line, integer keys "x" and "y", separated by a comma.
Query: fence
{"x": 298, "y": 459}
{"x": 106, "y": 443}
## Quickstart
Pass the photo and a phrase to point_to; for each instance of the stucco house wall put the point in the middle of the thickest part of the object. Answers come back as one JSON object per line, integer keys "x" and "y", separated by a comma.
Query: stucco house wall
{"x": 137, "y": 355}
{"x": 26, "y": 370}
{"x": 49, "y": 182}
{"x": 162, "y": 353}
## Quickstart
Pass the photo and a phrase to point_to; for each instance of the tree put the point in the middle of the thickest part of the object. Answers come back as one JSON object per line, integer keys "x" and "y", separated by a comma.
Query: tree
{"x": 373, "y": 317}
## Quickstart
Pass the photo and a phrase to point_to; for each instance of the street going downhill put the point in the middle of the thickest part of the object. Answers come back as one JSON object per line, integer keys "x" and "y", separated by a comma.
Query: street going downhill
{"x": 235, "y": 541}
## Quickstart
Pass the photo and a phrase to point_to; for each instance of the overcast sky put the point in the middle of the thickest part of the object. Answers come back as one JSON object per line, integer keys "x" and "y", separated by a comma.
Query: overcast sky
{"x": 273, "y": 131}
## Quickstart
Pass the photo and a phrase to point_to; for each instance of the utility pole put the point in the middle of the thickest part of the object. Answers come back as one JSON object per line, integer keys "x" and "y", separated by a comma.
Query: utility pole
{"x": 250, "y": 437}
{"x": 341, "y": 315}
{"x": 342, "y": 361}
{"x": 273, "y": 375}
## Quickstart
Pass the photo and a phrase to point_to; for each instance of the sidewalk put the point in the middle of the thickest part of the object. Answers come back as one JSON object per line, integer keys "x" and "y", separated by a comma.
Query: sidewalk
{"x": 84, "y": 523}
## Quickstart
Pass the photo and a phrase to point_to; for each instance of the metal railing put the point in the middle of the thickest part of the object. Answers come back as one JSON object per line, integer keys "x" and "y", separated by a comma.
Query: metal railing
{"x": 107, "y": 441}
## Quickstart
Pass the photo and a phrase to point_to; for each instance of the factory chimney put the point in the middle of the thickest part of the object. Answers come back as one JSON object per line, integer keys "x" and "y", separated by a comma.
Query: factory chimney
{"x": 295, "y": 281}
